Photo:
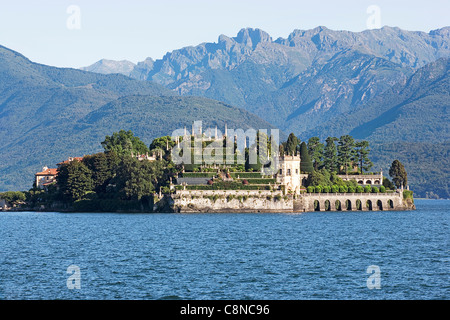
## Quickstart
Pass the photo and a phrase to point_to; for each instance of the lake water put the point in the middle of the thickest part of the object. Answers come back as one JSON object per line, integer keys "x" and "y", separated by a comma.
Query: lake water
{"x": 317, "y": 255}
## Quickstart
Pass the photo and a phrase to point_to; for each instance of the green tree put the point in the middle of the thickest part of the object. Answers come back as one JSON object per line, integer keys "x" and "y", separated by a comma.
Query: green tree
{"x": 362, "y": 155}
{"x": 291, "y": 145}
{"x": 13, "y": 197}
{"x": 398, "y": 174}
{"x": 316, "y": 151}
{"x": 134, "y": 179}
{"x": 346, "y": 152}
{"x": 162, "y": 145}
{"x": 74, "y": 180}
{"x": 305, "y": 161}
{"x": 124, "y": 143}
{"x": 319, "y": 177}
{"x": 388, "y": 184}
{"x": 103, "y": 167}
{"x": 330, "y": 155}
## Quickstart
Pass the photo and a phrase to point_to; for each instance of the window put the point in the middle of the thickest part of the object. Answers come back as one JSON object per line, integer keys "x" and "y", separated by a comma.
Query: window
{"x": 288, "y": 172}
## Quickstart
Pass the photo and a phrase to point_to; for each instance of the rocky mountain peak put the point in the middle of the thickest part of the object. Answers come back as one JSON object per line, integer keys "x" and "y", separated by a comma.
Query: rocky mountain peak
{"x": 252, "y": 37}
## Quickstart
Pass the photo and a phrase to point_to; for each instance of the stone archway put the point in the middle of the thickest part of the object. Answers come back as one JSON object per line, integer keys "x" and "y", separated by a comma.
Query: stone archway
{"x": 358, "y": 205}
{"x": 390, "y": 204}
{"x": 316, "y": 205}
{"x": 348, "y": 205}
{"x": 338, "y": 205}
{"x": 380, "y": 205}
{"x": 327, "y": 205}
{"x": 368, "y": 181}
{"x": 369, "y": 205}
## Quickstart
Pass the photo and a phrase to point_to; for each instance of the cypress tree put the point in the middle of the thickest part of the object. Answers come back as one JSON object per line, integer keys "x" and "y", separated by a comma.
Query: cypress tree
{"x": 305, "y": 162}
{"x": 398, "y": 174}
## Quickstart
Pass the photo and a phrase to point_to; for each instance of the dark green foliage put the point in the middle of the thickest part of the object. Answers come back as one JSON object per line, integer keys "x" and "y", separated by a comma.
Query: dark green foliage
{"x": 382, "y": 189}
{"x": 346, "y": 152}
{"x": 124, "y": 143}
{"x": 13, "y": 197}
{"x": 305, "y": 163}
{"x": 134, "y": 179}
{"x": 74, "y": 180}
{"x": 162, "y": 144}
{"x": 316, "y": 178}
{"x": 362, "y": 156}
{"x": 291, "y": 145}
{"x": 103, "y": 168}
{"x": 316, "y": 152}
{"x": 330, "y": 155}
{"x": 387, "y": 184}
{"x": 398, "y": 174}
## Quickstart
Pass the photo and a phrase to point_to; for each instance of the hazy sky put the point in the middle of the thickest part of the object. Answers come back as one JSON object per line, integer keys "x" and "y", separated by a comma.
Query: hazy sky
{"x": 77, "y": 33}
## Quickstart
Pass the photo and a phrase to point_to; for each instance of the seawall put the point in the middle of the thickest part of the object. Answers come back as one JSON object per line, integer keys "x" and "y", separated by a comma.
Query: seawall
{"x": 185, "y": 201}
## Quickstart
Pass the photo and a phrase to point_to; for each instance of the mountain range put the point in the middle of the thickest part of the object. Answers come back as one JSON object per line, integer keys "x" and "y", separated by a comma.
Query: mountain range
{"x": 48, "y": 114}
{"x": 389, "y": 86}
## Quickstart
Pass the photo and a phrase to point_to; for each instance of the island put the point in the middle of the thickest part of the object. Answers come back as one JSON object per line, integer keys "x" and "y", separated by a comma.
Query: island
{"x": 207, "y": 171}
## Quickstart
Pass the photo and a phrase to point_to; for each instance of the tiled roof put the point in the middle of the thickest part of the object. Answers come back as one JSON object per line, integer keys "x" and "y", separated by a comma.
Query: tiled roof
{"x": 48, "y": 172}
{"x": 71, "y": 159}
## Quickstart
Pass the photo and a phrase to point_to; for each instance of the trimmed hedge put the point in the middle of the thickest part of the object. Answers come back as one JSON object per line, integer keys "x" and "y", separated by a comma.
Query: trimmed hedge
{"x": 246, "y": 175}
{"x": 261, "y": 181}
{"x": 199, "y": 174}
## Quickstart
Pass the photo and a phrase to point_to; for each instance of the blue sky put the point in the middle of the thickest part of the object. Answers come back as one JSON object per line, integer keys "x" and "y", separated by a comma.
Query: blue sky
{"x": 136, "y": 29}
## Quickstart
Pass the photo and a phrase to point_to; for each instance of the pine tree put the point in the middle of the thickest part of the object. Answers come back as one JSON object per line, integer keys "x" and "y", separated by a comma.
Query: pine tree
{"x": 316, "y": 151}
{"x": 362, "y": 155}
{"x": 346, "y": 152}
{"x": 330, "y": 154}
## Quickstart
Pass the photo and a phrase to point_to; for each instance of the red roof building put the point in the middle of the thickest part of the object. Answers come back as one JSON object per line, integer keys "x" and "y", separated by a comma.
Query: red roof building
{"x": 45, "y": 177}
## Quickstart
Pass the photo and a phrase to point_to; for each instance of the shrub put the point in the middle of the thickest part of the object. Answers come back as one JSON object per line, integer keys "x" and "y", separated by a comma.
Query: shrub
{"x": 407, "y": 194}
{"x": 335, "y": 188}
{"x": 318, "y": 189}
{"x": 382, "y": 189}
{"x": 343, "y": 189}
{"x": 359, "y": 189}
{"x": 244, "y": 182}
{"x": 210, "y": 182}
{"x": 351, "y": 189}
{"x": 310, "y": 189}
{"x": 277, "y": 197}
{"x": 375, "y": 190}
{"x": 367, "y": 189}
{"x": 326, "y": 189}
